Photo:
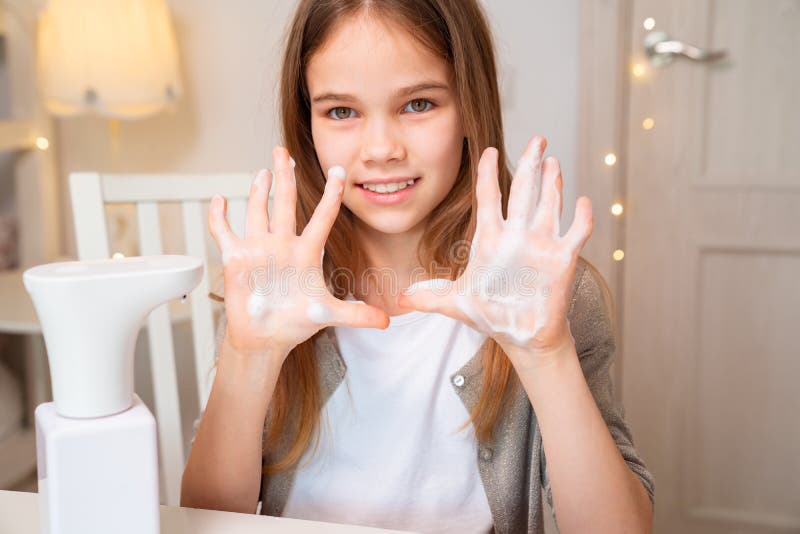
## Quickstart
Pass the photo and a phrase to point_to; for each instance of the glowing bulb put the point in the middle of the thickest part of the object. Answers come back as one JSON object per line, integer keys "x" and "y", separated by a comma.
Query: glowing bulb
{"x": 610, "y": 159}
{"x": 618, "y": 255}
{"x": 616, "y": 208}
{"x": 42, "y": 143}
{"x": 649, "y": 23}
{"x": 118, "y": 256}
{"x": 648, "y": 123}
{"x": 638, "y": 70}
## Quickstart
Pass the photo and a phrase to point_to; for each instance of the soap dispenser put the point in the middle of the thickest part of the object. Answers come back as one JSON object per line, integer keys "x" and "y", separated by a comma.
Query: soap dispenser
{"x": 96, "y": 442}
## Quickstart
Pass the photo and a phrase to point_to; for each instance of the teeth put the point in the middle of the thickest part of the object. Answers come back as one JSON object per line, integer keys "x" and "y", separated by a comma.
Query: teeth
{"x": 388, "y": 188}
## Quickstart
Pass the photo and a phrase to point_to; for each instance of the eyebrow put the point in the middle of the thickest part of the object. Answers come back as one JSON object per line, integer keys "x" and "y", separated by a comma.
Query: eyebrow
{"x": 405, "y": 91}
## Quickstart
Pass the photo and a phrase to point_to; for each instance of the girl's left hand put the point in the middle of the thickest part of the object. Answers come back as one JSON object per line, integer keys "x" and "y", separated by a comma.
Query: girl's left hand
{"x": 517, "y": 285}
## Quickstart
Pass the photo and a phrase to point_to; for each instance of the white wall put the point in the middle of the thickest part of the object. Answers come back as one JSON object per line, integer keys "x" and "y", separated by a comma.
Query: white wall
{"x": 227, "y": 120}
{"x": 537, "y": 46}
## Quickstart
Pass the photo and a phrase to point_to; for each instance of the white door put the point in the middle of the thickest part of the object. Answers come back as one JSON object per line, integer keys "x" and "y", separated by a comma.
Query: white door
{"x": 712, "y": 266}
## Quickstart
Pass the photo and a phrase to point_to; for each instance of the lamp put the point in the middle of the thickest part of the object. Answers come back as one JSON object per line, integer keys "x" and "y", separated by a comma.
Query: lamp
{"x": 112, "y": 58}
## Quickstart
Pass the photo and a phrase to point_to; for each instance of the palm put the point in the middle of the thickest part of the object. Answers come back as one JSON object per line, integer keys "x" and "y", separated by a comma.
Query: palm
{"x": 277, "y": 295}
{"x": 515, "y": 287}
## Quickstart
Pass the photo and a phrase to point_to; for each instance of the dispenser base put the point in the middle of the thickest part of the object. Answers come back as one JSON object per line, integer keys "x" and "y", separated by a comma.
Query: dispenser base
{"x": 97, "y": 475}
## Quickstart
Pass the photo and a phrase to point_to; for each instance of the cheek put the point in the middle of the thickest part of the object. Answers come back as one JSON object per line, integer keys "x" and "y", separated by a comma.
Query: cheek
{"x": 441, "y": 146}
{"x": 334, "y": 146}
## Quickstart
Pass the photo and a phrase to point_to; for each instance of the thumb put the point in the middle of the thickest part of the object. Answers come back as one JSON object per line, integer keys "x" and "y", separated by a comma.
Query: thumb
{"x": 432, "y": 296}
{"x": 357, "y": 314}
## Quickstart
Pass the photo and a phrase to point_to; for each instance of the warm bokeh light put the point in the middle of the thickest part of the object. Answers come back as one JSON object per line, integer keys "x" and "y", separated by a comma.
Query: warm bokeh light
{"x": 639, "y": 70}
{"x": 610, "y": 159}
{"x": 618, "y": 255}
{"x": 649, "y": 23}
{"x": 42, "y": 143}
{"x": 616, "y": 208}
{"x": 648, "y": 123}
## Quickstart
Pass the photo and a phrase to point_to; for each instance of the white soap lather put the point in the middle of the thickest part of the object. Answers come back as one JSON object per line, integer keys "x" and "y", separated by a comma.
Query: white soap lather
{"x": 96, "y": 442}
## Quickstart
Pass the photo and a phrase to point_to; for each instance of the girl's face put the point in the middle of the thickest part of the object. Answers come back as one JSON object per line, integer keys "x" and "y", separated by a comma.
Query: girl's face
{"x": 383, "y": 106}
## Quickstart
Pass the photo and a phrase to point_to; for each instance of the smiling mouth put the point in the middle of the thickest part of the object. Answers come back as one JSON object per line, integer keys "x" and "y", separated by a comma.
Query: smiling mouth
{"x": 388, "y": 189}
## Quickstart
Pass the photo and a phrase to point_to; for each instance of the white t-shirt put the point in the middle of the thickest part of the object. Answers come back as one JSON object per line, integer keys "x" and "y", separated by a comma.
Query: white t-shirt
{"x": 389, "y": 454}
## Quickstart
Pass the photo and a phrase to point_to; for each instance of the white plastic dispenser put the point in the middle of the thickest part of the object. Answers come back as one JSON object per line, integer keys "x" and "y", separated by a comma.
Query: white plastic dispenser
{"x": 96, "y": 442}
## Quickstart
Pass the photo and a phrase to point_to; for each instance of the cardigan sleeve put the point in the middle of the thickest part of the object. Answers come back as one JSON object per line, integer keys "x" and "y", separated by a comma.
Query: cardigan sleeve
{"x": 592, "y": 328}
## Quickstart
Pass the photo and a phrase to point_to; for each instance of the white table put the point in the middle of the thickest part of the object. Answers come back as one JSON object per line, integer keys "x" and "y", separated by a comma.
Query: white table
{"x": 19, "y": 514}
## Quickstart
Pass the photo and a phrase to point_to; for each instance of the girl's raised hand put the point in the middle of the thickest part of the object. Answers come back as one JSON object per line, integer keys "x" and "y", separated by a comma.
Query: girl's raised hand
{"x": 275, "y": 293}
{"x": 517, "y": 284}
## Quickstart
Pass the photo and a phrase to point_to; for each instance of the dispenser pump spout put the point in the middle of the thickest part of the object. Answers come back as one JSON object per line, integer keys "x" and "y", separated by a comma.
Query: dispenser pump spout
{"x": 91, "y": 312}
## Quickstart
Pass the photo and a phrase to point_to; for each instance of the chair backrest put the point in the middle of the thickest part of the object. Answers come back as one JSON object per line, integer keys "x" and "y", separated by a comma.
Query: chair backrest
{"x": 90, "y": 192}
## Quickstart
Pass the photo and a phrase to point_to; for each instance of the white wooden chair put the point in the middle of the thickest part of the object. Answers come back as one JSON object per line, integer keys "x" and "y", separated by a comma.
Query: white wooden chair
{"x": 90, "y": 193}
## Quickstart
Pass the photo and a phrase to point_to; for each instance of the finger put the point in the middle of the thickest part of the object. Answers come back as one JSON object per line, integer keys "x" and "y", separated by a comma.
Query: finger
{"x": 354, "y": 314}
{"x": 582, "y": 225}
{"x": 257, "y": 220}
{"x": 284, "y": 221}
{"x": 526, "y": 183}
{"x": 318, "y": 228}
{"x": 548, "y": 212}
{"x": 490, "y": 211}
{"x": 219, "y": 227}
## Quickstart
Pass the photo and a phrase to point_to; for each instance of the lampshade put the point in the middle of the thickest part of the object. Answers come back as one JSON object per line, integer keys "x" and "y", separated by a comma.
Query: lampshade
{"x": 113, "y": 58}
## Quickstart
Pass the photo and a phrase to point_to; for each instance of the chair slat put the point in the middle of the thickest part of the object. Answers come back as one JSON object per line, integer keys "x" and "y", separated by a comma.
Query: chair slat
{"x": 173, "y": 187}
{"x": 194, "y": 229}
{"x": 162, "y": 365}
{"x": 89, "y": 216}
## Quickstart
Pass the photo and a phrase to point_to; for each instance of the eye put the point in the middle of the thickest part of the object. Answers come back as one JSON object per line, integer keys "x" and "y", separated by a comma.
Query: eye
{"x": 418, "y": 105}
{"x": 340, "y": 113}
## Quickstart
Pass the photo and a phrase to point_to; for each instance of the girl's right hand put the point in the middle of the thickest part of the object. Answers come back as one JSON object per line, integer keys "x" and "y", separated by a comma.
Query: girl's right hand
{"x": 275, "y": 293}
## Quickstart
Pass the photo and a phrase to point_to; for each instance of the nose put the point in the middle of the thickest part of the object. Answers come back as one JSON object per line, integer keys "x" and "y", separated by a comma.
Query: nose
{"x": 382, "y": 142}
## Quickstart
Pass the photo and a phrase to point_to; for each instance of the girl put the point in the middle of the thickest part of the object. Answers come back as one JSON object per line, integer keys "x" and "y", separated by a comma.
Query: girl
{"x": 453, "y": 405}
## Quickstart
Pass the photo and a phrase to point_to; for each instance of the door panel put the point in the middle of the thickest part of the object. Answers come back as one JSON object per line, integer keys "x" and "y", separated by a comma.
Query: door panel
{"x": 712, "y": 267}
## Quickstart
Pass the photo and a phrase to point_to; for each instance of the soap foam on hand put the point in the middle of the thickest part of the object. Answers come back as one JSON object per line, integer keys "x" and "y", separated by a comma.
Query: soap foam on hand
{"x": 336, "y": 172}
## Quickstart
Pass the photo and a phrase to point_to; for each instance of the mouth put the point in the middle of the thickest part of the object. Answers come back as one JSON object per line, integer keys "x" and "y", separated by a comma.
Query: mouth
{"x": 388, "y": 186}
{"x": 387, "y": 194}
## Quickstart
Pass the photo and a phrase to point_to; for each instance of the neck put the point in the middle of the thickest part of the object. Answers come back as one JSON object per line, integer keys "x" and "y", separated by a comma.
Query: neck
{"x": 391, "y": 266}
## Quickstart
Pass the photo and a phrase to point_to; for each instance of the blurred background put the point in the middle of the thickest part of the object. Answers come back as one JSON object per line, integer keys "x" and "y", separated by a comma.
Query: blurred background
{"x": 678, "y": 119}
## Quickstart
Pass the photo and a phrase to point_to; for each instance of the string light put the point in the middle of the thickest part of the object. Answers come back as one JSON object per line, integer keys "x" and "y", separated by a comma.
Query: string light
{"x": 616, "y": 209}
{"x": 648, "y": 123}
{"x": 649, "y": 23}
{"x": 638, "y": 70}
{"x": 618, "y": 255}
{"x": 42, "y": 143}
{"x": 610, "y": 159}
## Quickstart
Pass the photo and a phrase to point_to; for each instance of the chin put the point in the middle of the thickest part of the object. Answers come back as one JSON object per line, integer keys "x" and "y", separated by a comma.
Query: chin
{"x": 398, "y": 224}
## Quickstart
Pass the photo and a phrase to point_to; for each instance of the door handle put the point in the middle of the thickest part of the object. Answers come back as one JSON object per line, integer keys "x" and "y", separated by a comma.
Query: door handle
{"x": 662, "y": 50}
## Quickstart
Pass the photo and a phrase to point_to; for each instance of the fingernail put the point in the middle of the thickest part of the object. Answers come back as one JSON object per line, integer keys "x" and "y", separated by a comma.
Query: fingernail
{"x": 259, "y": 178}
